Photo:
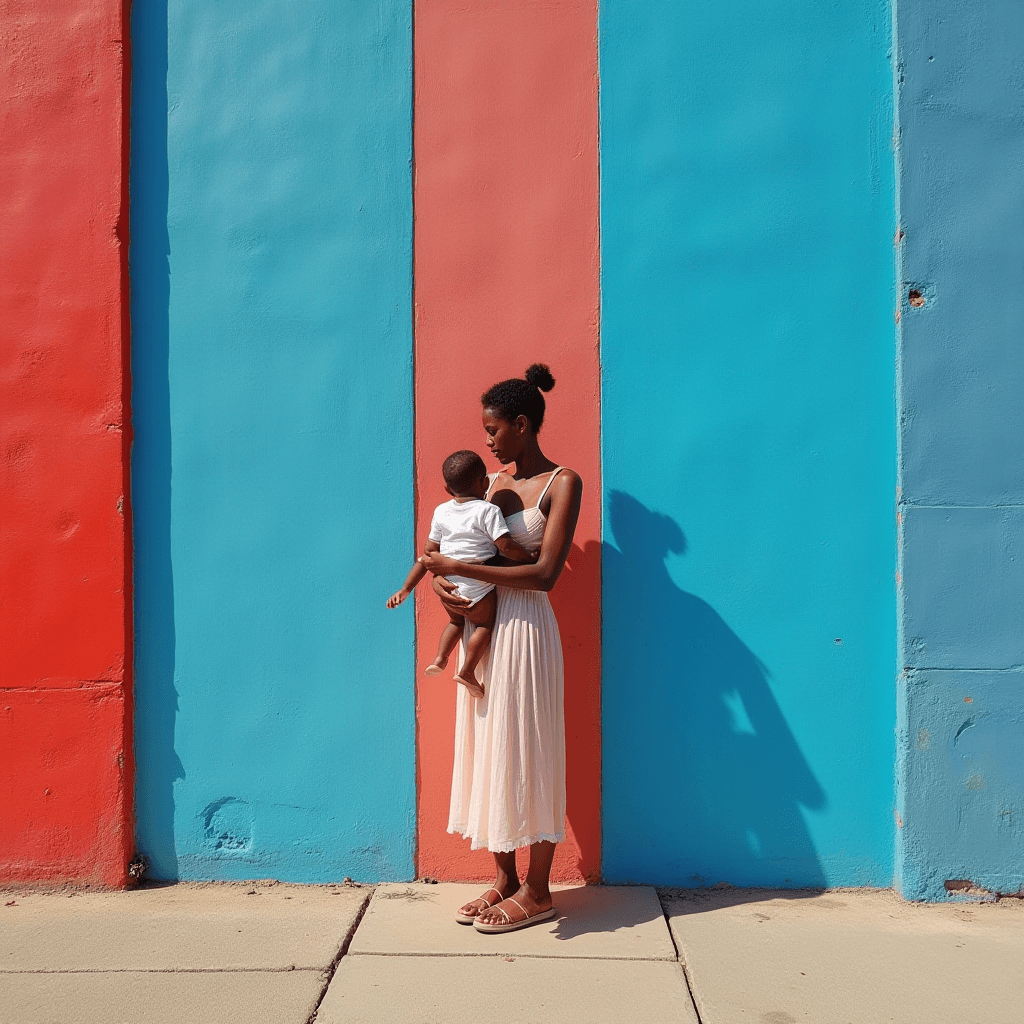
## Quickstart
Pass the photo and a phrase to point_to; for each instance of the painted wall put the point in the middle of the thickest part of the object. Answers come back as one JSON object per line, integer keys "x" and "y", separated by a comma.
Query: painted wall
{"x": 961, "y": 741}
{"x": 507, "y": 274}
{"x": 742, "y": 415}
{"x": 65, "y": 696}
{"x": 748, "y": 441}
{"x": 271, "y": 303}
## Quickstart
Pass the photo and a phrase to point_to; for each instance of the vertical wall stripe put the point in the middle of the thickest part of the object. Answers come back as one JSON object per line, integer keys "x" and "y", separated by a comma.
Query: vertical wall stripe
{"x": 65, "y": 666}
{"x": 507, "y": 274}
{"x": 749, "y": 442}
{"x": 272, "y": 289}
{"x": 961, "y": 752}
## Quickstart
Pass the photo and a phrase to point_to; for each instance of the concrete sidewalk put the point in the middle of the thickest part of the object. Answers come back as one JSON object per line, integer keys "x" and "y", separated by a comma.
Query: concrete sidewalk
{"x": 264, "y": 952}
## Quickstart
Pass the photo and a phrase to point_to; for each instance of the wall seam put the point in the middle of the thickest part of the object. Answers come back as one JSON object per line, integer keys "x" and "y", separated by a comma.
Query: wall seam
{"x": 600, "y": 452}
{"x": 910, "y": 669}
{"x": 127, "y": 439}
{"x": 917, "y": 504}
{"x": 414, "y": 317}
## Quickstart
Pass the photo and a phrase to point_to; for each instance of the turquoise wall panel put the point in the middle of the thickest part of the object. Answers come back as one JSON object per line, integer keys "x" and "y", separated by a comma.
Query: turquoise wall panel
{"x": 272, "y": 473}
{"x": 961, "y": 787}
{"x": 748, "y": 442}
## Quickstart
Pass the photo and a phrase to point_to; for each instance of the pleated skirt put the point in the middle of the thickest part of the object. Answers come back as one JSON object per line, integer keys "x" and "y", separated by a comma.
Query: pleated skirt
{"x": 508, "y": 783}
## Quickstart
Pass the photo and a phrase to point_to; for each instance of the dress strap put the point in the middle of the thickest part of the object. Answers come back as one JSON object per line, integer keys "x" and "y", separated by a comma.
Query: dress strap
{"x": 493, "y": 478}
{"x": 548, "y": 484}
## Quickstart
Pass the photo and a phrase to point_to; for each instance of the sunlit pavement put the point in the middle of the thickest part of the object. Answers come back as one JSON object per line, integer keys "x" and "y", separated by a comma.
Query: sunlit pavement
{"x": 291, "y": 954}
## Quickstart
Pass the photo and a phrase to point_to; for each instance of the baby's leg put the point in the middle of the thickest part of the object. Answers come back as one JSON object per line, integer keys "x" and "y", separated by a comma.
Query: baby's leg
{"x": 448, "y": 642}
{"x": 482, "y": 616}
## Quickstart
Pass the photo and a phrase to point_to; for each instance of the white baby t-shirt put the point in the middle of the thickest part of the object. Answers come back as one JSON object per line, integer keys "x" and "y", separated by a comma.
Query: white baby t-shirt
{"x": 467, "y": 530}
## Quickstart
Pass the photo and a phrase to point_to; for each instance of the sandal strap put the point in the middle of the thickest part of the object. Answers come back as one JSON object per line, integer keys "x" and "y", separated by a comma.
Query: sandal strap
{"x": 526, "y": 916}
{"x": 482, "y": 898}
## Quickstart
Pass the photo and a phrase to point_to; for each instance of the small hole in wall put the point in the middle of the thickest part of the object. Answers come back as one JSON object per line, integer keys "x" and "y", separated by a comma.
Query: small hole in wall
{"x": 915, "y": 298}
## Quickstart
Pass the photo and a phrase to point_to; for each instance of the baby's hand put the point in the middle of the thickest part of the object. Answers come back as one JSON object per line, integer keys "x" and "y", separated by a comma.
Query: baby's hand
{"x": 397, "y": 598}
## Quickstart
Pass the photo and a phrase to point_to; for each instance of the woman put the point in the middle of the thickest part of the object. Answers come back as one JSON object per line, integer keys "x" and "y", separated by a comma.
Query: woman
{"x": 508, "y": 787}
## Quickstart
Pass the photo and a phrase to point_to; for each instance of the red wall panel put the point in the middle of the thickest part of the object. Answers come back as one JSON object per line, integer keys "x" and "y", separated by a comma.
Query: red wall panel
{"x": 61, "y": 773}
{"x": 65, "y": 710}
{"x": 507, "y": 273}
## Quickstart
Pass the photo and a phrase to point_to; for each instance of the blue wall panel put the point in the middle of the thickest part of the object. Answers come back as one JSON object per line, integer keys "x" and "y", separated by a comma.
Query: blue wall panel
{"x": 963, "y": 600}
{"x": 962, "y": 211}
{"x": 272, "y": 473}
{"x": 963, "y": 772}
{"x": 962, "y": 454}
{"x": 749, "y": 442}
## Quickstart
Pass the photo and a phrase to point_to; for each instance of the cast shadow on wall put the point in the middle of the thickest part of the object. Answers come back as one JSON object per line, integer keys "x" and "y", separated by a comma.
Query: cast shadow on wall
{"x": 703, "y": 780}
{"x": 156, "y": 698}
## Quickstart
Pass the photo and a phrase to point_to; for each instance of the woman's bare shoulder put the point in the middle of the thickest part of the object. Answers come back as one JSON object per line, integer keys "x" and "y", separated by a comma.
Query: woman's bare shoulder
{"x": 567, "y": 480}
{"x": 500, "y": 481}
{"x": 566, "y": 489}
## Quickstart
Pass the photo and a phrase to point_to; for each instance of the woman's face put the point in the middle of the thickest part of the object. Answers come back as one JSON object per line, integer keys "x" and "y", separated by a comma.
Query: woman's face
{"x": 504, "y": 439}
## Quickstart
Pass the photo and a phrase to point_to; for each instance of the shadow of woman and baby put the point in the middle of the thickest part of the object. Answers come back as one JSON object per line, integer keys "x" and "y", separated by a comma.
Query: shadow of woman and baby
{"x": 703, "y": 781}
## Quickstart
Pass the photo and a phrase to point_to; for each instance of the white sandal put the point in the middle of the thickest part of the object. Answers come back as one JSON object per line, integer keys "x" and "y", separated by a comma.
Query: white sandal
{"x": 466, "y": 918}
{"x": 510, "y": 925}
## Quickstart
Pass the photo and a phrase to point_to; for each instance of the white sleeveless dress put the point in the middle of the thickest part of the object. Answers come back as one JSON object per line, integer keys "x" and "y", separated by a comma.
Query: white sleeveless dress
{"x": 508, "y": 784}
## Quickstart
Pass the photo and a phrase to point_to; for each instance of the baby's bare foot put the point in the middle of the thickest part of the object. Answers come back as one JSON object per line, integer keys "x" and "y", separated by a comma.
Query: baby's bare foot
{"x": 471, "y": 684}
{"x": 436, "y": 667}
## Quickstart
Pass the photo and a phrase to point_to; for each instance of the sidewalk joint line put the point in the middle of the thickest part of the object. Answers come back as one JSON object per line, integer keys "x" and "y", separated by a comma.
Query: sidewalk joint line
{"x": 524, "y": 956}
{"x": 679, "y": 959}
{"x": 165, "y": 970}
{"x": 342, "y": 950}
{"x": 689, "y": 988}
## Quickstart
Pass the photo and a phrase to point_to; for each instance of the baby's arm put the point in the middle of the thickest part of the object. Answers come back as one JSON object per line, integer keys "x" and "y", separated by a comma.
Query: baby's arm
{"x": 513, "y": 551}
{"x": 416, "y": 573}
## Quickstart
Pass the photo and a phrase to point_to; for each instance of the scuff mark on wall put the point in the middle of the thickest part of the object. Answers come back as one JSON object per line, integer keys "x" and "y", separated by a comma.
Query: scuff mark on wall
{"x": 963, "y": 728}
{"x": 227, "y": 824}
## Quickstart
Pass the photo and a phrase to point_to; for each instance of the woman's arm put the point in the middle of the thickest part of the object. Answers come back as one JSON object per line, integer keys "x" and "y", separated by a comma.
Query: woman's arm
{"x": 566, "y": 493}
{"x": 513, "y": 553}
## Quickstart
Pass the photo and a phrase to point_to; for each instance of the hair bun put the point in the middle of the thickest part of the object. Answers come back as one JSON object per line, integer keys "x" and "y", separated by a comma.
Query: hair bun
{"x": 539, "y": 376}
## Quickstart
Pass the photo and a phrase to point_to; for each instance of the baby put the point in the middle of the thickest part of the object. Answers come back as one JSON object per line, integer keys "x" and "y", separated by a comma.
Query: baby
{"x": 470, "y": 529}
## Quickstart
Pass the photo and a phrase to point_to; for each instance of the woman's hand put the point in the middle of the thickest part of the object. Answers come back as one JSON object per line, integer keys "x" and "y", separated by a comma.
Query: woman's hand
{"x": 438, "y": 564}
{"x": 449, "y": 594}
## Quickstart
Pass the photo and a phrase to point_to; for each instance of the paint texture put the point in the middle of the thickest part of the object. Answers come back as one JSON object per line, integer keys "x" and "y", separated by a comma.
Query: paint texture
{"x": 65, "y": 701}
{"x": 750, "y": 404}
{"x": 507, "y": 274}
{"x": 271, "y": 273}
{"x": 959, "y": 771}
{"x": 748, "y": 443}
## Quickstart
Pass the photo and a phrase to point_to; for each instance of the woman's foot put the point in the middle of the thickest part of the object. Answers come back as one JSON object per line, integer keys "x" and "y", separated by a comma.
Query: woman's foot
{"x": 471, "y": 684}
{"x": 490, "y": 898}
{"x": 532, "y": 903}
